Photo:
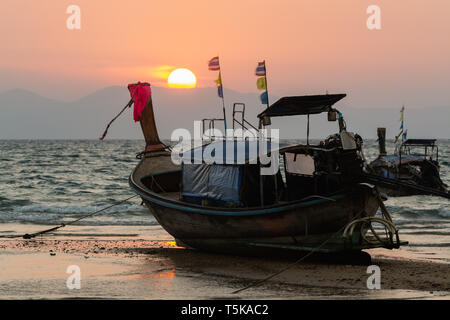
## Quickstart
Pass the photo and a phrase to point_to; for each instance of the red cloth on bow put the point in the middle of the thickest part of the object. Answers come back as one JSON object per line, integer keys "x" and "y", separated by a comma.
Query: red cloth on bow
{"x": 140, "y": 92}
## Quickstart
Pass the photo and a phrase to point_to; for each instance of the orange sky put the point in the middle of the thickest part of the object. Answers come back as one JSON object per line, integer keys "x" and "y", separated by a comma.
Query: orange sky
{"x": 310, "y": 46}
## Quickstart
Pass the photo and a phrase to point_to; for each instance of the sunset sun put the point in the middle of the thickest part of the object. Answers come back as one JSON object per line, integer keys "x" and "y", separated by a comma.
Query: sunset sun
{"x": 182, "y": 78}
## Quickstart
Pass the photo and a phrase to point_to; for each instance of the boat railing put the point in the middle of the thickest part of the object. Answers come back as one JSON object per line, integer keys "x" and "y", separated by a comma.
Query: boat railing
{"x": 239, "y": 122}
{"x": 429, "y": 151}
{"x": 209, "y": 125}
{"x": 239, "y": 111}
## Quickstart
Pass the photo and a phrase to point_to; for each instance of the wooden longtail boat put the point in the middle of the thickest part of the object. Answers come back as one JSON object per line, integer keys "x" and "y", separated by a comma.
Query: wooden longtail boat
{"x": 412, "y": 170}
{"x": 312, "y": 203}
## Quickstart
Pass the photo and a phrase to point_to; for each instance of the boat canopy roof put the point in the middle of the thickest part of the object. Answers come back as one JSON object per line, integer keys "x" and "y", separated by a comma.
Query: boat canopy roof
{"x": 230, "y": 151}
{"x": 419, "y": 142}
{"x": 301, "y": 105}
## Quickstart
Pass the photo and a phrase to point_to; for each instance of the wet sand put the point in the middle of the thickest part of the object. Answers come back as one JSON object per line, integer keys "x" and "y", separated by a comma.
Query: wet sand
{"x": 116, "y": 266}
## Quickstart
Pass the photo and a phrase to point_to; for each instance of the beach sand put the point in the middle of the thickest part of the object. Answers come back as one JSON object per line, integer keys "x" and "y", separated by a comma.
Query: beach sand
{"x": 119, "y": 266}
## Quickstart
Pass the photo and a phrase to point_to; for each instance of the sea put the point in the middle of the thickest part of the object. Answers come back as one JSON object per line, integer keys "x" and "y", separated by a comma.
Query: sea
{"x": 49, "y": 182}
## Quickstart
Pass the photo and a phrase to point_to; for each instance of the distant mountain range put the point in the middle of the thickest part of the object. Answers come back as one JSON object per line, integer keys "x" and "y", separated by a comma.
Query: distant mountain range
{"x": 27, "y": 115}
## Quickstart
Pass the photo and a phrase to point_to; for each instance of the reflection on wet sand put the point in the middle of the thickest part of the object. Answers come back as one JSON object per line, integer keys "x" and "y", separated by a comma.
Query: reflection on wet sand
{"x": 146, "y": 269}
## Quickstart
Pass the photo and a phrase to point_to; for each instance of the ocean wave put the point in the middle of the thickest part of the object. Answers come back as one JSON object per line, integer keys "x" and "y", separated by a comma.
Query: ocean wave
{"x": 419, "y": 206}
{"x": 124, "y": 214}
{"x": 423, "y": 233}
{"x": 8, "y": 203}
{"x": 430, "y": 245}
{"x": 421, "y": 224}
{"x": 89, "y": 222}
{"x": 77, "y": 209}
{"x": 443, "y": 212}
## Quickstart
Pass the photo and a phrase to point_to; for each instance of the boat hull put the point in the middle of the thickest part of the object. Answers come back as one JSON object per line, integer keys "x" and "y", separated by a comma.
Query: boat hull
{"x": 396, "y": 173}
{"x": 299, "y": 225}
{"x": 301, "y": 219}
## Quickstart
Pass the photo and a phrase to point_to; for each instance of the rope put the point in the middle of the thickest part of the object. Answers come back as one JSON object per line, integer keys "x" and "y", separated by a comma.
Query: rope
{"x": 289, "y": 266}
{"x": 383, "y": 208}
{"x": 151, "y": 152}
{"x": 389, "y": 226}
{"x": 29, "y": 236}
{"x": 107, "y": 127}
{"x": 386, "y": 222}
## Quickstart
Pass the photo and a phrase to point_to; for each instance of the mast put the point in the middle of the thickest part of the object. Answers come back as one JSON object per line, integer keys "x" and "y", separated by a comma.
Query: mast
{"x": 214, "y": 65}
{"x": 261, "y": 84}
{"x": 265, "y": 80}
{"x": 403, "y": 123}
{"x": 223, "y": 104}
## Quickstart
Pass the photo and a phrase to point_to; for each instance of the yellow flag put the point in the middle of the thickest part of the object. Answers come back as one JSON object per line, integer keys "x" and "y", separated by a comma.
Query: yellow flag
{"x": 261, "y": 83}
{"x": 219, "y": 80}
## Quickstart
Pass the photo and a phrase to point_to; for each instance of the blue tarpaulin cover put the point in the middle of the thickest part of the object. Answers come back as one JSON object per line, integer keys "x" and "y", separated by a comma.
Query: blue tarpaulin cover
{"x": 218, "y": 182}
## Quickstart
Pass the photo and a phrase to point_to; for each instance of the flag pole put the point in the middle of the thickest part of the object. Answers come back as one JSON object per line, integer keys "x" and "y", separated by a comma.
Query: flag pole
{"x": 222, "y": 96}
{"x": 265, "y": 79}
{"x": 403, "y": 122}
{"x": 223, "y": 101}
{"x": 259, "y": 69}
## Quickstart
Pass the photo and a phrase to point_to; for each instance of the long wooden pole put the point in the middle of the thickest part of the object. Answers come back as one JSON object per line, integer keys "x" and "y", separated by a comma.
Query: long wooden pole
{"x": 223, "y": 100}
{"x": 404, "y": 124}
{"x": 265, "y": 79}
{"x": 267, "y": 92}
{"x": 224, "y": 114}
{"x": 261, "y": 182}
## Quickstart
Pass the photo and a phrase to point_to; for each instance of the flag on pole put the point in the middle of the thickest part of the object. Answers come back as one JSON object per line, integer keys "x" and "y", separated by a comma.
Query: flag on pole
{"x": 405, "y": 134}
{"x": 402, "y": 132}
{"x": 261, "y": 69}
{"x": 219, "y": 80}
{"x": 264, "y": 98}
{"x": 261, "y": 83}
{"x": 401, "y": 116}
{"x": 219, "y": 85}
{"x": 214, "y": 64}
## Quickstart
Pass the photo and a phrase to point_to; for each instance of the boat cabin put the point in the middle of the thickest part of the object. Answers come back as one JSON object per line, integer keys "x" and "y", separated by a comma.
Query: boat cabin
{"x": 228, "y": 172}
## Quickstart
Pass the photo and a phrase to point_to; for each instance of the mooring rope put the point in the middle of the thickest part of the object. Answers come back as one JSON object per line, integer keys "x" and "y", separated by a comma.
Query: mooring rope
{"x": 32, "y": 235}
{"x": 257, "y": 283}
{"x": 387, "y": 223}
